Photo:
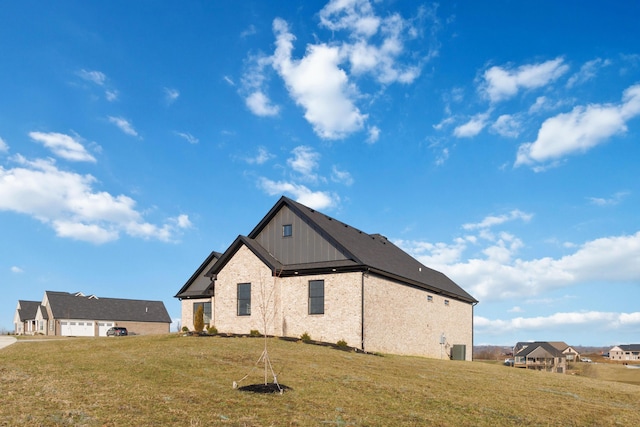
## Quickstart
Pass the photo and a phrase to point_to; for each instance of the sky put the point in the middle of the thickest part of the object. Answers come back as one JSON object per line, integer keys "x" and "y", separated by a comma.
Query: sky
{"x": 497, "y": 142}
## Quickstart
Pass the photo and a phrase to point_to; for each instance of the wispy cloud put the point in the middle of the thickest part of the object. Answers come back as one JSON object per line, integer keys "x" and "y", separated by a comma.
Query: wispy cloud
{"x": 4, "y": 147}
{"x": 501, "y": 83}
{"x": 100, "y": 79}
{"x": 260, "y": 158}
{"x": 610, "y": 201}
{"x": 304, "y": 162}
{"x": 64, "y": 146}
{"x": 587, "y": 72}
{"x": 123, "y": 125}
{"x": 188, "y": 137}
{"x": 16, "y": 270}
{"x": 171, "y": 95}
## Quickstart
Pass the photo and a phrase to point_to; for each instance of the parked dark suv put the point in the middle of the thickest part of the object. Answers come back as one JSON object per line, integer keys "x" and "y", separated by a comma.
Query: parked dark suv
{"x": 117, "y": 332}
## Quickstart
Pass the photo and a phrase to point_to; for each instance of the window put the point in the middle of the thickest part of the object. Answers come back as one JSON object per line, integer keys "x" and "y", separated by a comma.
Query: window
{"x": 430, "y": 298}
{"x": 316, "y": 297}
{"x": 446, "y": 302}
{"x": 244, "y": 299}
{"x": 287, "y": 230}
{"x": 206, "y": 311}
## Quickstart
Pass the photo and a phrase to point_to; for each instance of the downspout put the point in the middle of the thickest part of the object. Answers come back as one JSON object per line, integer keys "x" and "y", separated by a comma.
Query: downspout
{"x": 362, "y": 310}
{"x": 473, "y": 328}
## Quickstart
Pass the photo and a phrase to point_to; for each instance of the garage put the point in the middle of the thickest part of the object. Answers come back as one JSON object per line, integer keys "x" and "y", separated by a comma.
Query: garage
{"x": 103, "y": 327}
{"x": 77, "y": 328}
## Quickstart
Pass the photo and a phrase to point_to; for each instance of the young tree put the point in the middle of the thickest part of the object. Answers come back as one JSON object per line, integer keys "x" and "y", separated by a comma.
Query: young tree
{"x": 198, "y": 320}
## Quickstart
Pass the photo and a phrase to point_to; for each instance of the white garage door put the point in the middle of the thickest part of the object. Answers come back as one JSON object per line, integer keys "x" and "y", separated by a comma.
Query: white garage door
{"x": 77, "y": 328}
{"x": 103, "y": 327}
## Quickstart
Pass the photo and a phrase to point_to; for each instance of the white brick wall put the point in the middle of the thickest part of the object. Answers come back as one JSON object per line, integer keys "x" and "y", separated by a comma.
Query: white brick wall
{"x": 399, "y": 319}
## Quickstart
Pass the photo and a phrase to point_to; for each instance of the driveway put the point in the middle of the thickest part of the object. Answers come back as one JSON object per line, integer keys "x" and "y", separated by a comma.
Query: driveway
{"x": 6, "y": 340}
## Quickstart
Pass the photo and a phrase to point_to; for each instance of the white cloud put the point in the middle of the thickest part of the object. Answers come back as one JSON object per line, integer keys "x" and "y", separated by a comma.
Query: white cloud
{"x": 318, "y": 84}
{"x": 584, "y": 319}
{"x": 67, "y": 202}
{"x": 503, "y": 83}
{"x": 229, "y": 81}
{"x": 99, "y": 79}
{"x": 341, "y": 176}
{"x": 96, "y": 77}
{"x": 580, "y": 130}
{"x": 63, "y": 146}
{"x": 170, "y": 95}
{"x": 313, "y": 199}
{"x": 587, "y": 72}
{"x": 304, "y": 162}
{"x": 260, "y": 105}
{"x": 507, "y": 125}
{"x": 4, "y": 147}
{"x": 323, "y": 81}
{"x": 188, "y": 137}
{"x": 500, "y": 275}
{"x": 17, "y": 270}
{"x": 262, "y": 157}
{"x": 374, "y": 135}
{"x": 492, "y": 220}
{"x": 123, "y": 125}
{"x": 613, "y": 200}
{"x": 251, "y": 30}
{"x": 473, "y": 127}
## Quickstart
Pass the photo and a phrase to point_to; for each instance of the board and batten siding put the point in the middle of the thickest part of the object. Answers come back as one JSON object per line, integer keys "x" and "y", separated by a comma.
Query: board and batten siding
{"x": 305, "y": 245}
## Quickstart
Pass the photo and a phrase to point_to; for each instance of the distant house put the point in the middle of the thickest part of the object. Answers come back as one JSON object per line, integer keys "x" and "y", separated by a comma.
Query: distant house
{"x": 543, "y": 356}
{"x": 625, "y": 352}
{"x": 300, "y": 271}
{"x": 74, "y": 314}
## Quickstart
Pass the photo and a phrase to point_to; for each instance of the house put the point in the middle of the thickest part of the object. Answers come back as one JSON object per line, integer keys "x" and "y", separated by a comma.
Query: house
{"x": 625, "y": 352}
{"x": 571, "y": 354}
{"x": 300, "y": 271}
{"x": 541, "y": 355}
{"x": 74, "y": 314}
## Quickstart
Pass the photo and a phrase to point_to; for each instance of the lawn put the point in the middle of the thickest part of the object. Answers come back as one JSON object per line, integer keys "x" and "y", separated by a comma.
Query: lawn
{"x": 187, "y": 381}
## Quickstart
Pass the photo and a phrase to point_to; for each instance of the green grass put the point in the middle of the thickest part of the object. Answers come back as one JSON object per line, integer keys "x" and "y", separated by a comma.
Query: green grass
{"x": 187, "y": 381}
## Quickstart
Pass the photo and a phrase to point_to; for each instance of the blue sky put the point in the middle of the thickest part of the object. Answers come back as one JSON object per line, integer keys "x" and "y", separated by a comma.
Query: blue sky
{"x": 497, "y": 142}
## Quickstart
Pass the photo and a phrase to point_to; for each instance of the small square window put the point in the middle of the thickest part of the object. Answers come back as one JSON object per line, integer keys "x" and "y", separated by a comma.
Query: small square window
{"x": 287, "y": 230}
{"x": 430, "y": 298}
{"x": 446, "y": 302}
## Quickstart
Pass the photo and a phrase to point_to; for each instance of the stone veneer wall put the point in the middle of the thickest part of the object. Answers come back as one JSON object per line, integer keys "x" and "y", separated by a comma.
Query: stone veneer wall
{"x": 400, "y": 319}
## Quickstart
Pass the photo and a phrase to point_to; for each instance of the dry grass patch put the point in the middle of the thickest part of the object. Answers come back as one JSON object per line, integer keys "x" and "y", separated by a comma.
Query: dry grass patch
{"x": 187, "y": 381}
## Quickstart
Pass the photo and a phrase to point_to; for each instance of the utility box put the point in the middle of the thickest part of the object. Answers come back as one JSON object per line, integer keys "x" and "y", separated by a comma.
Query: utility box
{"x": 459, "y": 352}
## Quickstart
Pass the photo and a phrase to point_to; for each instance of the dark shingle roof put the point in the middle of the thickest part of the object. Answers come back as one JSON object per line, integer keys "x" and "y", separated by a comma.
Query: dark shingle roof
{"x": 371, "y": 252}
{"x": 630, "y": 347}
{"x": 70, "y": 306}
{"x": 548, "y": 347}
{"x": 28, "y": 310}
{"x": 198, "y": 289}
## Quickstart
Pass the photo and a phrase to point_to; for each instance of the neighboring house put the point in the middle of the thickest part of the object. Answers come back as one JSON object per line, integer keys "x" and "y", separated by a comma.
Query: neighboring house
{"x": 540, "y": 355}
{"x": 74, "y": 314}
{"x": 625, "y": 352}
{"x": 300, "y": 271}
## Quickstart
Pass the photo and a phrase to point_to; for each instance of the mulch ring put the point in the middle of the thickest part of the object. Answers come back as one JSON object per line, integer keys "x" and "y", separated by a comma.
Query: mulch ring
{"x": 265, "y": 388}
